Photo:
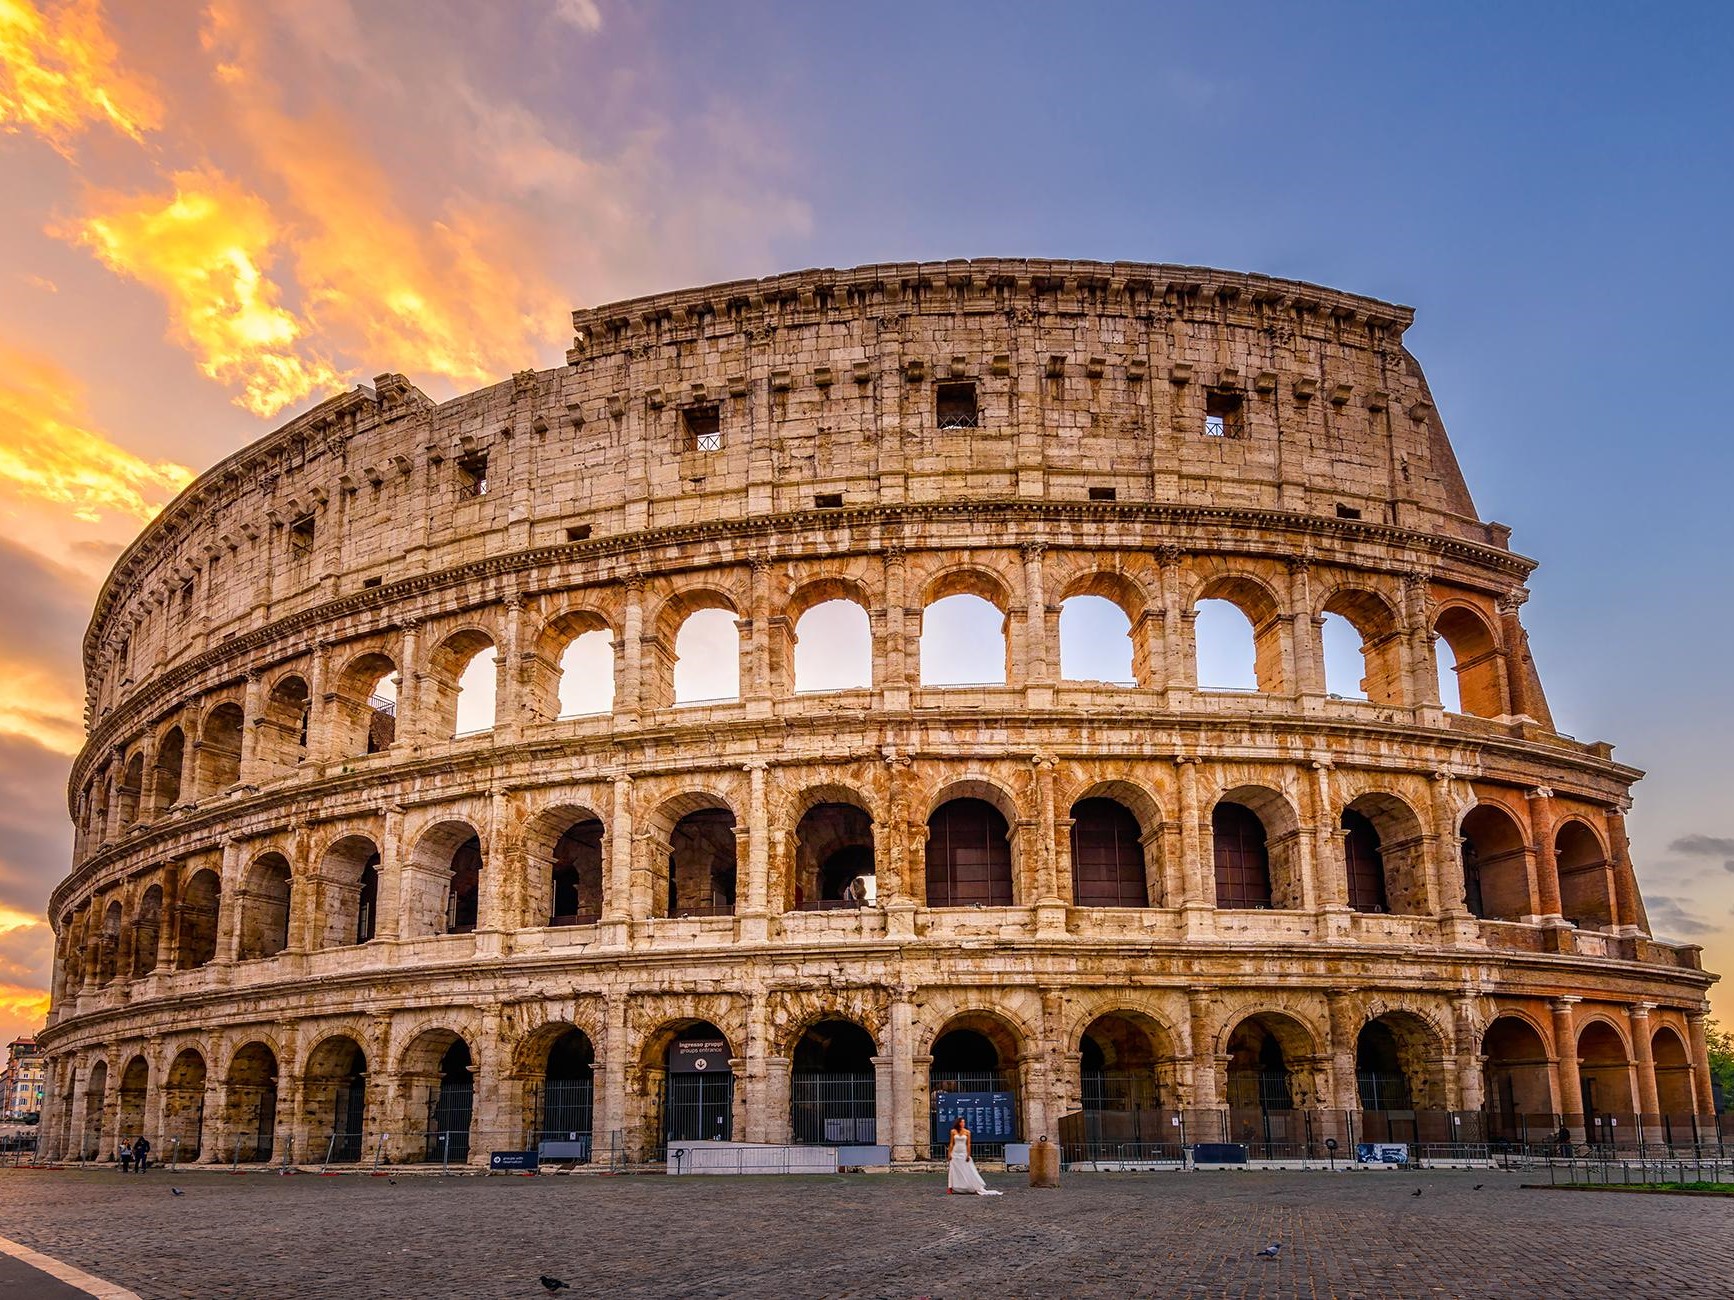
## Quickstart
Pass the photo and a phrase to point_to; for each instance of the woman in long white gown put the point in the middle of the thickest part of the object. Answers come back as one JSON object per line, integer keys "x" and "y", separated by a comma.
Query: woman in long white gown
{"x": 961, "y": 1175}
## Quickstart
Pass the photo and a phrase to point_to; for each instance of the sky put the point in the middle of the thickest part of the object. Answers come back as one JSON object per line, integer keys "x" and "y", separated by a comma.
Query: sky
{"x": 213, "y": 215}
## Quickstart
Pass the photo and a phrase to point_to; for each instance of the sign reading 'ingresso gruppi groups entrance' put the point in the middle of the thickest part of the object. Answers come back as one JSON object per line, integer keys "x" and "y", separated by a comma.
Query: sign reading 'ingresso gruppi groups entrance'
{"x": 699, "y": 1056}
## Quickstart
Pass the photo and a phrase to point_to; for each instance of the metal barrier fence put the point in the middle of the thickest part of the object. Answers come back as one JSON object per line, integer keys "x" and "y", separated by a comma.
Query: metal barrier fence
{"x": 1605, "y": 1173}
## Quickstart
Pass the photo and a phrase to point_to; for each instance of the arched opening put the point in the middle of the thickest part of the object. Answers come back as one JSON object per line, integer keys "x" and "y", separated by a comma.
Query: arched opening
{"x": 334, "y": 1095}
{"x": 1474, "y": 660}
{"x": 1362, "y": 648}
{"x": 587, "y": 675}
{"x": 95, "y": 1102}
{"x": 567, "y": 1101}
{"x": 1380, "y": 1080}
{"x": 166, "y": 785}
{"x": 183, "y": 1108}
{"x": 833, "y": 648}
{"x": 440, "y": 1068}
{"x": 1345, "y": 664}
{"x": 963, "y": 642}
{"x": 457, "y": 692}
{"x": 1445, "y": 665}
{"x": 1519, "y": 1083}
{"x": 130, "y": 788}
{"x": 1365, "y": 864}
{"x": 265, "y": 908}
{"x": 974, "y": 1073}
{"x": 1227, "y": 655}
{"x": 833, "y": 858}
{"x": 1095, "y": 641}
{"x": 701, "y": 865}
{"x": 201, "y": 902}
{"x": 1118, "y": 1059}
{"x": 832, "y": 1096}
{"x": 707, "y": 658}
{"x": 281, "y": 736}
{"x": 1605, "y": 1075}
{"x": 108, "y": 944}
{"x": 134, "y": 1087}
{"x": 1107, "y": 856}
{"x": 1673, "y": 1085}
{"x": 1496, "y": 884}
{"x": 575, "y": 877}
{"x": 1400, "y": 1082}
{"x": 250, "y": 1105}
{"x": 349, "y": 879}
{"x": 464, "y": 893}
{"x": 364, "y": 713}
{"x": 698, "y": 1086}
{"x": 1241, "y": 853}
{"x": 147, "y": 930}
{"x": 1269, "y": 1059}
{"x": 443, "y": 881}
{"x": 219, "y": 749}
{"x": 1586, "y": 886}
{"x": 969, "y": 858}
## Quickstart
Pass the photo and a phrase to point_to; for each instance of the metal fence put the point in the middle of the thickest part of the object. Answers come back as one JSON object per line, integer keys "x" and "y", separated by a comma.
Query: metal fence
{"x": 833, "y": 1108}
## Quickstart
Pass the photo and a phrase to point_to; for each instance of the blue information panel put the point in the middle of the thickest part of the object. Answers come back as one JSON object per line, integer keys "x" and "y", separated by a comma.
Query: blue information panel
{"x": 991, "y": 1116}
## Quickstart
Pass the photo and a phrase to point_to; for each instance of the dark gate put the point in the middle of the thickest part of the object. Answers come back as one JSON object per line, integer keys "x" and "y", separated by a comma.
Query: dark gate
{"x": 832, "y": 1108}
{"x": 699, "y": 1107}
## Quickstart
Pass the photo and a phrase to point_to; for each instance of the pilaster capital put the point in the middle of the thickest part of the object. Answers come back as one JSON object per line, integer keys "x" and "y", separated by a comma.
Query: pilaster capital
{"x": 1640, "y": 1010}
{"x": 1168, "y": 555}
{"x": 1511, "y": 601}
{"x": 1563, "y": 1004}
{"x": 1540, "y": 792}
{"x": 1033, "y": 550}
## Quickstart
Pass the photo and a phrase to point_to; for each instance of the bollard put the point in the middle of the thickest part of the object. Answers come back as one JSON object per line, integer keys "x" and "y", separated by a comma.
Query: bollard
{"x": 1044, "y": 1163}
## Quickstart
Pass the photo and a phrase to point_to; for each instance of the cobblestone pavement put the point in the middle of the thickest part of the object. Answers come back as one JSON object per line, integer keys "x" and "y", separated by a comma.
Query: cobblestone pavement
{"x": 1169, "y": 1234}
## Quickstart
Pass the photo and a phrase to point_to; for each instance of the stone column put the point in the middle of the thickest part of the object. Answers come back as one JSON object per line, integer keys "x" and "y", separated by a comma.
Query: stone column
{"x": 1511, "y": 642}
{"x": 1206, "y": 1094}
{"x": 1628, "y": 898}
{"x": 1307, "y": 646}
{"x": 252, "y": 727}
{"x": 1345, "y": 1032}
{"x": 1039, "y": 668}
{"x": 511, "y": 708}
{"x": 629, "y": 701}
{"x": 610, "y": 1115}
{"x": 1050, "y": 902}
{"x": 752, "y": 925}
{"x": 503, "y": 866}
{"x": 1471, "y": 1084}
{"x": 1700, "y": 1049}
{"x": 1330, "y": 865}
{"x": 492, "y": 1123}
{"x": 1570, "y": 1084}
{"x": 393, "y": 876}
{"x": 1546, "y": 865}
{"x": 1198, "y": 873}
{"x": 409, "y": 726}
{"x": 617, "y": 897}
{"x": 756, "y": 638}
{"x": 1644, "y": 1063}
{"x": 231, "y": 904}
{"x": 321, "y": 703}
{"x": 1423, "y": 683}
{"x": 1177, "y": 653}
{"x": 894, "y": 677}
{"x": 901, "y": 1133}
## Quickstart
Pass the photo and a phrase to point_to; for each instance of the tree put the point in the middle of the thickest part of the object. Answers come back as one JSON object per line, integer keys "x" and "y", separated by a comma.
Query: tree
{"x": 1721, "y": 1043}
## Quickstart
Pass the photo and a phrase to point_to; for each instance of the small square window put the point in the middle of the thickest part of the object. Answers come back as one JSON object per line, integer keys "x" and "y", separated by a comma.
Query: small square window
{"x": 702, "y": 427}
{"x": 828, "y": 501}
{"x": 301, "y": 537}
{"x": 1348, "y": 512}
{"x": 578, "y": 533}
{"x": 1222, "y": 414}
{"x": 371, "y": 582}
{"x": 1102, "y": 494}
{"x": 955, "y": 406}
{"x": 473, "y": 474}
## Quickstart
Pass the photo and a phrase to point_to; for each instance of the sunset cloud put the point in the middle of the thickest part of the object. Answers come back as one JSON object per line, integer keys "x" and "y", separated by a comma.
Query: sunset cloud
{"x": 60, "y": 74}
{"x": 207, "y": 247}
{"x": 49, "y": 454}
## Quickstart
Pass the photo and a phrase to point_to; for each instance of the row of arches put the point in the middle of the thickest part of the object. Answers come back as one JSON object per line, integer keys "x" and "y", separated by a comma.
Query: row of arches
{"x": 1231, "y": 631}
{"x": 439, "y": 1096}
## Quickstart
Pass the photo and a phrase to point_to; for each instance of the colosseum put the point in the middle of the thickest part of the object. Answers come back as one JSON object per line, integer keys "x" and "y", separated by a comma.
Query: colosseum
{"x": 403, "y": 833}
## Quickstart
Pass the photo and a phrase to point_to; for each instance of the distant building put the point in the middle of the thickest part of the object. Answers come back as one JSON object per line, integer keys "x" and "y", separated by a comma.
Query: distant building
{"x": 21, "y": 1082}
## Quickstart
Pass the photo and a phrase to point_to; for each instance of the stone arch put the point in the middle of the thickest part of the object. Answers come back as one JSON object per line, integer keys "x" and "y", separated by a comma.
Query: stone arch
{"x": 569, "y": 676}
{"x": 364, "y": 705}
{"x": 665, "y": 682}
{"x": 1400, "y": 1062}
{"x": 280, "y": 736}
{"x": 250, "y": 1104}
{"x": 682, "y": 1103}
{"x": 200, "y": 909}
{"x": 171, "y": 753}
{"x": 444, "y": 879}
{"x": 436, "y": 1074}
{"x": 1478, "y": 662}
{"x": 833, "y": 862}
{"x": 1258, "y": 604}
{"x": 264, "y": 902}
{"x": 1126, "y": 596}
{"x": 1518, "y": 1070}
{"x": 1586, "y": 883}
{"x": 93, "y": 1131}
{"x": 457, "y": 694}
{"x": 334, "y": 1096}
{"x": 349, "y": 891}
{"x": 1127, "y": 1059}
{"x": 130, "y": 788}
{"x": 1385, "y": 855}
{"x": 833, "y": 1085}
{"x": 840, "y": 655}
{"x": 1375, "y": 619}
{"x": 1497, "y": 884}
{"x": 1255, "y": 836}
{"x": 1272, "y": 1067}
{"x": 147, "y": 930}
{"x": 566, "y": 850}
{"x": 219, "y": 748}
{"x": 1107, "y": 842}
{"x": 556, "y": 1066}
{"x": 1605, "y": 1075}
{"x": 108, "y": 943}
{"x": 973, "y": 1049}
{"x": 1674, "y": 1095}
{"x": 184, "y": 1106}
{"x": 971, "y": 855}
{"x": 130, "y": 1098}
{"x": 956, "y": 588}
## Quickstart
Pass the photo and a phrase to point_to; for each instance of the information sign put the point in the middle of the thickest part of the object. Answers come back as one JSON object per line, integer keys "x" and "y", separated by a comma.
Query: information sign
{"x": 1382, "y": 1153}
{"x": 699, "y": 1056}
{"x": 505, "y": 1161}
{"x": 991, "y": 1116}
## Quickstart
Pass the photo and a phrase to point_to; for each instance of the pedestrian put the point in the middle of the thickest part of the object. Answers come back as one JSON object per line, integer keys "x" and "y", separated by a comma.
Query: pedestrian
{"x": 141, "y": 1152}
{"x": 125, "y": 1154}
{"x": 961, "y": 1175}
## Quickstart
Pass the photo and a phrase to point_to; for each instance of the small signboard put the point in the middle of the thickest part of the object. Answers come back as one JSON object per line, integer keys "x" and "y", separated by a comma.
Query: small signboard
{"x": 514, "y": 1162}
{"x": 1382, "y": 1153}
{"x": 991, "y": 1116}
{"x": 1219, "y": 1153}
{"x": 699, "y": 1056}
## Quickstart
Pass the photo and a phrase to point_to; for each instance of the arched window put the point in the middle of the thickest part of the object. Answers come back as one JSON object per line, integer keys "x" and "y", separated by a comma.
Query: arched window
{"x": 220, "y": 749}
{"x": 463, "y": 895}
{"x": 477, "y": 685}
{"x": 367, "y": 901}
{"x": 832, "y": 1085}
{"x": 707, "y": 651}
{"x": 968, "y": 855}
{"x": 963, "y": 642}
{"x": 1475, "y": 659}
{"x": 1366, "y": 863}
{"x": 171, "y": 753}
{"x": 201, "y": 901}
{"x": 701, "y": 864}
{"x": 1242, "y": 857}
{"x": 833, "y": 858}
{"x": 265, "y": 908}
{"x": 1345, "y": 664}
{"x": 577, "y": 875}
{"x": 1495, "y": 871}
{"x": 833, "y": 648}
{"x": 282, "y": 736}
{"x": 1095, "y": 641}
{"x": 1107, "y": 856}
{"x": 587, "y": 675}
{"x": 1585, "y": 881}
{"x": 1227, "y": 656}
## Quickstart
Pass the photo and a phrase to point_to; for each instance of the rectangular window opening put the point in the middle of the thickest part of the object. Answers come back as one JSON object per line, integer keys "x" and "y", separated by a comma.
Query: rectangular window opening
{"x": 1222, "y": 414}
{"x": 1348, "y": 512}
{"x": 702, "y": 426}
{"x": 828, "y": 501}
{"x": 371, "y": 582}
{"x": 187, "y": 599}
{"x": 955, "y": 405}
{"x": 1102, "y": 494}
{"x": 578, "y": 533}
{"x": 473, "y": 474}
{"x": 301, "y": 537}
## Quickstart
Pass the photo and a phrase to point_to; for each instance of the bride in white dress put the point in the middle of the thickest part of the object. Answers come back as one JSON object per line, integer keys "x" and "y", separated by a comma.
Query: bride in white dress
{"x": 961, "y": 1175}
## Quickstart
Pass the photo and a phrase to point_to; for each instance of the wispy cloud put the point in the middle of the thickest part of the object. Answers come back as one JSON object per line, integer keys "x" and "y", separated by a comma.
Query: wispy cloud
{"x": 1706, "y": 846}
{"x": 61, "y": 74}
{"x": 1674, "y": 917}
{"x": 582, "y": 14}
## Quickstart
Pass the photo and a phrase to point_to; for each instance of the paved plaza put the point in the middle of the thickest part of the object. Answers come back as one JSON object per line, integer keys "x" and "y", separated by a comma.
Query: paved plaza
{"x": 1172, "y": 1234}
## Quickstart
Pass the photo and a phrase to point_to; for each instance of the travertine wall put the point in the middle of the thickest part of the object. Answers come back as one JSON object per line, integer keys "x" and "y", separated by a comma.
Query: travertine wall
{"x": 228, "y": 805}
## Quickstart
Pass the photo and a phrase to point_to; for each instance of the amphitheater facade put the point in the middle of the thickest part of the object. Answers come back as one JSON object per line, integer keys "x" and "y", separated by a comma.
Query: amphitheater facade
{"x": 313, "y": 916}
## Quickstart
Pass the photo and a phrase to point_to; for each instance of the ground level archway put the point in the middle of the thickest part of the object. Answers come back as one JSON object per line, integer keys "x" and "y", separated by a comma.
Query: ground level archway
{"x": 833, "y": 1094}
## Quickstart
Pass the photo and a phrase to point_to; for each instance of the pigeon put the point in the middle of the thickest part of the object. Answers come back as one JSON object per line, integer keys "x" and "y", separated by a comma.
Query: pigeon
{"x": 1271, "y": 1251}
{"x": 392, "y": 1181}
{"x": 554, "y": 1284}
{"x": 1416, "y": 1192}
{"x": 1479, "y": 1186}
{"x": 175, "y": 1191}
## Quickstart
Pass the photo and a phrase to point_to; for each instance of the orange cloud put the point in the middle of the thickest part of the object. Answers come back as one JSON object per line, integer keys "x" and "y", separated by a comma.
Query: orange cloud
{"x": 60, "y": 74}
{"x": 49, "y": 455}
{"x": 43, "y": 707}
{"x": 208, "y": 249}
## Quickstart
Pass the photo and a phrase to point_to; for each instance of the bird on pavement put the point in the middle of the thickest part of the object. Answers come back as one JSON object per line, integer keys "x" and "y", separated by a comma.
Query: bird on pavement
{"x": 1416, "y": 1192}
{"x": 554, "y": 1284}
{"x": 1479, "y": 1186}
{"x": 1271, "y": 1251}
{"x": 175, "y": 1191}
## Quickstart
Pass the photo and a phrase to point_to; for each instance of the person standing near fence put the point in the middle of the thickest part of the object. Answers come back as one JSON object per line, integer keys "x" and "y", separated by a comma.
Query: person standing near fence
{"x": 961, "y": 1175}
{"x": 125, "y": 1156}
{"x": 141, "y": 1152}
